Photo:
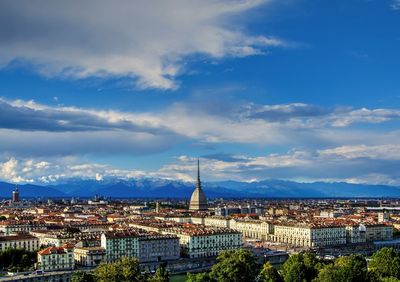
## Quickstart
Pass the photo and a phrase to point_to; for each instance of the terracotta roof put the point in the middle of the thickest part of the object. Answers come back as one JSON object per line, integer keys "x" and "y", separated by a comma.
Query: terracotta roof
{"x": 52, "y": 250}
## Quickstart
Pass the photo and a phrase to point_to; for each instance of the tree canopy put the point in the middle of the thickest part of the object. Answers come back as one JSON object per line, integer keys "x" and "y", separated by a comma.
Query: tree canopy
{"x": 17, "y": 259}
{"x": 386, "y": 263}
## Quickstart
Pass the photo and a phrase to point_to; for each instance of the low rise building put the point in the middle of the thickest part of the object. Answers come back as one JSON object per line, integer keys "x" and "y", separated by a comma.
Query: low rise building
{"x": 89, "y": 256}
{"x": 12, "y": 226}
{"x": 145, "y": 246}
{"x": 255, "y": 229}
{"x": 378, "y": 232}
{"x": 309, "y": 235}
{"x": 199, "y": 241}
{"x": 26, "y": 242}
{"x": 56, "y": 258}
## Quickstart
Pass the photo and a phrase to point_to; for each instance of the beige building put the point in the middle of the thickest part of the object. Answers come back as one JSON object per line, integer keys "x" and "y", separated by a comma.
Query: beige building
{"x": 26, "y": 242}
{"x": 9, "y": 227}
{"x": 217, "y": 221}
{"x": 255, "y": 229}
{"x": 56, "y": 258}
{"x": 52, "y": 238}
{"x": 309, "y": 235}
{"x": 199, "y": 241}
{"x": 89, "y": 256}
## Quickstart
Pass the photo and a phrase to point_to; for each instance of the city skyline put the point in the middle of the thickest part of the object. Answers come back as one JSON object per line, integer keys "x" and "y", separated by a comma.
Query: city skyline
{"x": 295, "y": 90}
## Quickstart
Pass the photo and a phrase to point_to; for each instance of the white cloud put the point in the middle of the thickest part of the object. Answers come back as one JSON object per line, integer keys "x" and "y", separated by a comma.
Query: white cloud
{"x": 146, "y": 40}
{"x": 382, "y": 152}
{"x": 67, "y": 131}
{"x": 58, "y": 169}
{"x": 357, "y": 164}
{"x": 354, "y": 164}
{"x": 395, "y": 5}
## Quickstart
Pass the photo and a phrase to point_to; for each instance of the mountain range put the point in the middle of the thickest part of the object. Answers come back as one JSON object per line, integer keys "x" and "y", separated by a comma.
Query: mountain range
{"x": 161, "y": 188}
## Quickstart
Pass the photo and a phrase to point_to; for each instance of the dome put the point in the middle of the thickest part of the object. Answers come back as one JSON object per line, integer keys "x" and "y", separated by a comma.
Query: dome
{"x": 198, "y": 201}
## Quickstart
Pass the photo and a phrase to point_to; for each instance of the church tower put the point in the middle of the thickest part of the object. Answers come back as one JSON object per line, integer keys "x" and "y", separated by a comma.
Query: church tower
{"x": 15, "y": 195}
{"x": 198, "y": 201}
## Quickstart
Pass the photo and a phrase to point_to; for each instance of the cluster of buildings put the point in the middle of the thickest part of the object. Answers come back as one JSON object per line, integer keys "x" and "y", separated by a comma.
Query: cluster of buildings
{"x": 67, "y": 235}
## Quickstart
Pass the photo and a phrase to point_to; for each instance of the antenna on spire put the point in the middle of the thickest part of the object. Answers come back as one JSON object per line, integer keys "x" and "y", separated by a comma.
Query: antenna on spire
{"x": 198, "y": 174}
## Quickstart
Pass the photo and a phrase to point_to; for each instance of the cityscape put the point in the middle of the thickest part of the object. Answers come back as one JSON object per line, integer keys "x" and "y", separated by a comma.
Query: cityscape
{"x": 200, "y": 141}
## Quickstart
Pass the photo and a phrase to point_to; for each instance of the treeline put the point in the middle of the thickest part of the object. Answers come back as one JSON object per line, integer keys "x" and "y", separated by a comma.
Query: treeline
{"x": 17, "y": 260}
{"x": 239, "y": 266}
{"x": 242, "y": 266}
{"x": 124, "y": 270}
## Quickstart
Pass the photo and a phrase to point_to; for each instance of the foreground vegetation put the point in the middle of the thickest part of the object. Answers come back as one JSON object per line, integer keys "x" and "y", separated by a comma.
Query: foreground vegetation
{"x": 124, "y": 270}
{"x": 238, "y": 266}
{"x": 241, "y": 265}
{"x": 17, "y": 260}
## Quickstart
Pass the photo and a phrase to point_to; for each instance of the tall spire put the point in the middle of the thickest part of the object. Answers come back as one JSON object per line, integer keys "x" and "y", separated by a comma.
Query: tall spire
{"x": 198, "y": 174}
{"x": 198, "y": 200}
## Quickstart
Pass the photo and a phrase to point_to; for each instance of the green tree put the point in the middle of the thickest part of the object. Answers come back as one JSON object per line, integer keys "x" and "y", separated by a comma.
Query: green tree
{"x": 17, "y": 259}
{"x": 161, "y": 275}
{"x": 124, "y": 270}
{"x": 386, "y": 263}
{"x": 82, "y": 276}
{"x": 128, "y": 270}
{"x": 306, "y": 263}
{"x": 106, "y": 273}
{"x": 199, "y": 277}
{"x": 269, "y": 274}
{"x": 329, "y": 273}
{"x": 352, "y": 268}
{"x": 235, "y": 266}
{"x": 297, "y": 272}
{"x": 390, "y": 279}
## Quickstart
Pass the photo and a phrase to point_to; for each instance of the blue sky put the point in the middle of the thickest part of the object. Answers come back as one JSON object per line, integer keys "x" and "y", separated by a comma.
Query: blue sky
{"x": 300, "y": 90}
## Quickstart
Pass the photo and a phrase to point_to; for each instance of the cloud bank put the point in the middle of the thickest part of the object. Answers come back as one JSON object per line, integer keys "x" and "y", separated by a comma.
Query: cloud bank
{"x": 45, "y": 144}
{"x": 147, "y": 41}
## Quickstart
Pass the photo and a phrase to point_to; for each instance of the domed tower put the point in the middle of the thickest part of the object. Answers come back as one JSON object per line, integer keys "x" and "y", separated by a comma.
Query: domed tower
{"x": 198, "y": 201}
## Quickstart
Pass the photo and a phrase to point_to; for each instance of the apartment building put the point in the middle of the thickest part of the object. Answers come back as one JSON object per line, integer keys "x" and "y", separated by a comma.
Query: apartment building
{"x": 56, "y": 258}
{"x": 255, "y": 229}
{"x": 378, "y": 232}
{"x": 147, "y": 247}
{"x": 89, "y": 256}
{"x": 309, "y": 235}
{"x": 26, "y": 242}
{"x": 9, "y": 227}
{"x": 200, "y": 241}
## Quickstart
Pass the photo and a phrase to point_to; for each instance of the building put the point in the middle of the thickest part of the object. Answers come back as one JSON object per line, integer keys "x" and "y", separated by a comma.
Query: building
{"x": 26, "y": 242}
{"x": 146, "y": 247}
{"x": 52, "y": 238}
{"x": 56, "y": 258}
{"x": 309, "y": 235}
{"x": 89, "y": 256}
{"x": 355, "y": 234}
{"x": 252, "y": 228}
{"x": 11, "y": 226}
{"x": 378, "y": 232}
{"x": 383, "y": 216}
{"x": 158, "y": 248}
{"x": 15, "y": 195}
{"x": 247, "y": 209}
{"x": 198, "y": 200}
{"x": 199, "y": 241}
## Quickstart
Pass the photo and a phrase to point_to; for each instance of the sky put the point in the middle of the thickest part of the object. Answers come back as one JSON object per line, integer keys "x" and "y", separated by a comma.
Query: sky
{"x": 303, "y": 90}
